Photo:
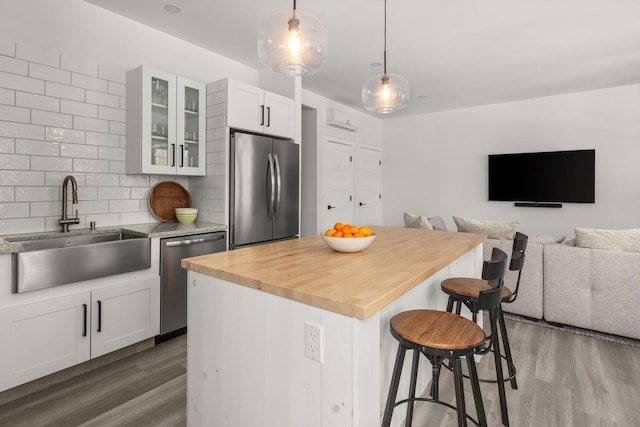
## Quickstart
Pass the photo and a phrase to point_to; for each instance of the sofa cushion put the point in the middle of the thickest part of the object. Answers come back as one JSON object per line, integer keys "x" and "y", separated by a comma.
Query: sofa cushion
{"x": 493, "y": 229}
{"x": 416, "y": 221}
{"x": 615, "y": 240}
{"x": 546, "y": 239}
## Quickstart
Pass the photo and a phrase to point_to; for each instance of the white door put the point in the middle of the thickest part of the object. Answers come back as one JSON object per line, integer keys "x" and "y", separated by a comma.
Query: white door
{"x": 278, "y": 115}
{"x": 245, "y": 106}
{"x": 124, "y": 314}
{"x": 338, "y": 184}
{"x": 41, "y": 338}
{"x": 368, "y": 204}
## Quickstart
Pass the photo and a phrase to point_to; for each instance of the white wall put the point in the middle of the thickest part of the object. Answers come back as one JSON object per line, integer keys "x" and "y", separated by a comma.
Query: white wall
{"x": 62, "y": 109}
{"x": 436, "y": 164}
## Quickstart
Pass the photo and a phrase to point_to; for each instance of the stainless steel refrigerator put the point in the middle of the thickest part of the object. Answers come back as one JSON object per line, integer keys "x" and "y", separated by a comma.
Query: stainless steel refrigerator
{"x": 264, "y": 190}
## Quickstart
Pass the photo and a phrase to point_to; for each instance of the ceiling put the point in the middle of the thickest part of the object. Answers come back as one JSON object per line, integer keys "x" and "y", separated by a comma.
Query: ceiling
{"x": 455, "y": 53}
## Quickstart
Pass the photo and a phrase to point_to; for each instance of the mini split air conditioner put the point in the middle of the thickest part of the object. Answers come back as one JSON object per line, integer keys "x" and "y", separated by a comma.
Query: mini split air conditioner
{"x": 340, "y": 119}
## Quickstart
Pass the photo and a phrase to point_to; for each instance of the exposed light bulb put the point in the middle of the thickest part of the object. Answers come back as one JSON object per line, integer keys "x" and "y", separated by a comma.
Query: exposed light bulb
{"x": 385, "y": 92}
{"x": 294, "y": 43}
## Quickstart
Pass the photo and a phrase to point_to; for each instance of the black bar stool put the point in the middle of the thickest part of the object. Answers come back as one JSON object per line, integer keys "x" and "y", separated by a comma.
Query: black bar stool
{"x": 467, "y": 290}
{"x": 440, "y": 336}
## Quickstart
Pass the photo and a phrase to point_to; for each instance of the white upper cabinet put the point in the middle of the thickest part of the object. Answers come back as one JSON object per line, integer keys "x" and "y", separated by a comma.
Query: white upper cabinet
{"x": 166, "y": 124}
{"x": 254, "y": 109}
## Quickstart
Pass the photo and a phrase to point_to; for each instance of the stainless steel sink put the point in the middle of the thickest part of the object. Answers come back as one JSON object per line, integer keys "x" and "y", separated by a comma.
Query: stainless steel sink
{"x": 54, "y": 261}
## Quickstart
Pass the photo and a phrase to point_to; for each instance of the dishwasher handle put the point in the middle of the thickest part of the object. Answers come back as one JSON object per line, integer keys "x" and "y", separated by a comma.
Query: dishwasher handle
{"x": 188, "y": 242}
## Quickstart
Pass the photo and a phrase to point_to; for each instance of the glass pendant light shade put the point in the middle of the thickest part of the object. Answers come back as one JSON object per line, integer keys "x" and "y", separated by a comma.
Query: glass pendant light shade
{"x": 293, "y": 42}
{"x": 385, "y": 93}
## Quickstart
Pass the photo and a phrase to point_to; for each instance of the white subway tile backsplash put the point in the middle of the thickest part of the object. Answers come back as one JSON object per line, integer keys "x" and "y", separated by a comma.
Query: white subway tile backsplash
{"x": 88, "y": 82}
{"x": 7, "y": 96}
{"x": 89, "y": 123}
{"x": 21, "y": 130}
{"x": 39, "y": 102}
{"x": 14, "y": 161}
{"x": 94, "y": 207}
{"x": 27, "y": 84}
{"x": 64, "y": 135}
{"x": 79, "y": 64}
{"x": 109, "y": 113}
{"x": 49, "y": 118}
{"x": 37, "y": 194}
{"x": 21, "y": 225}
{"x": 111, "y": 193}
{"x": 44, "y": 72}
{"x": 116, "y": 88}
{"x": 64, "y": 91}
{"x": 118, "y": 128}
{"x": 86, "y": 165}
{"x": 14, "y": 66}
{"x": 134, "y": 181}
{"x": 47, "y": 208}
{"x": 78, "y": 108}
{"x": 47, "y": 163}
{"x": 105, "y": 139}
{"x": 13, "y": 178}
{"x": 14, "y": 114}
{"x": 6, "y": 194}
{"x": 102, "y": 179}
{"x": 56, "y": 178}
{"x": 104, "y": 220}
{"x": 117, "y": 166}
{"x": 101, "y": 98}
{"x": 82, "y": 151}
{"x": 38, "y": 148}
{"x": 143, "y": 217}
{"x": 140, "y": 193}
{"x": 110, "y": 153}
{"x": 87, "y": 193}
{"x": 7, "y": 145}
{"x": 124, "y": 205}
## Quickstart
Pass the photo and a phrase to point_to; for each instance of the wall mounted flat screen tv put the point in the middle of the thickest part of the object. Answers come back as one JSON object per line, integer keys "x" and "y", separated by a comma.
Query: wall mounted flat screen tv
{"x": 554, "y": 176}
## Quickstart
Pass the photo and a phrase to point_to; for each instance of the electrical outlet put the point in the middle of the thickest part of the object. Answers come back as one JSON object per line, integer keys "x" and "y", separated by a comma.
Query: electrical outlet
{"x": 313, "y": 341}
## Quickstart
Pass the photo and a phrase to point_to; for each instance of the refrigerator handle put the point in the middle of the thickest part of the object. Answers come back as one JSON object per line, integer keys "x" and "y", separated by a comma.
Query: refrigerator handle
{"x": 276, "y": 207}
{"x": 271, "y": 195}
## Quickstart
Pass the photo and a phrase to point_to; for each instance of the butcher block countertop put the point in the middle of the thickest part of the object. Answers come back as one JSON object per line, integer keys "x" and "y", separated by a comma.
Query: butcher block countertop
{"x": 353, "y": 284}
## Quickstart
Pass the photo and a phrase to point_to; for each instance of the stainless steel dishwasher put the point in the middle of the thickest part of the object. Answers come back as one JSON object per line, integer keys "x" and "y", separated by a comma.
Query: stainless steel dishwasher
{"x": 173, "y": 278}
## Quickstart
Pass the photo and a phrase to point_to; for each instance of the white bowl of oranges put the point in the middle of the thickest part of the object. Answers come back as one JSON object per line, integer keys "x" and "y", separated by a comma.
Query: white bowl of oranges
{"x": 348, "y": 238}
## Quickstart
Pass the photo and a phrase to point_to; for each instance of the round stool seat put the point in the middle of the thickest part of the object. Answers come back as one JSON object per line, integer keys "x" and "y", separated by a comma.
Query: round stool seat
{"x": 439, "y": 330}
{"x": 469, "y": 287}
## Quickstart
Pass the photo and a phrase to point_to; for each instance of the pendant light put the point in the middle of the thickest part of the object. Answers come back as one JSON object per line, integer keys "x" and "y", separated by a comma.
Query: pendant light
{"x": 292, "y": 42}
{"x": 385, "y": 93}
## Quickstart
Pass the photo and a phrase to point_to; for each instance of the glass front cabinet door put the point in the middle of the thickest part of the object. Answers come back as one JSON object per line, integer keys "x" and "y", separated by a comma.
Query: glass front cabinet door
{"x": 165, "y": 124}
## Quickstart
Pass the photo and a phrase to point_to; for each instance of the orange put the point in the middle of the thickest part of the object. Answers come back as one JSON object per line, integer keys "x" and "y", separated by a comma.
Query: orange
{"x": 365, "y": 230}
{"x": 337, "y": 234}
{"x": 348, "y": 235}
{"x": 358, "y": 235}
{"x": 338, "y": 226}
{"x": 330, "y": 232}
{"x": 354, "y": 229}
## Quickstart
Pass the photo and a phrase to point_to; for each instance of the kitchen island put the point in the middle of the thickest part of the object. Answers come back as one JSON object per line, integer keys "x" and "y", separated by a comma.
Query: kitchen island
{"x": 295, "y": 334}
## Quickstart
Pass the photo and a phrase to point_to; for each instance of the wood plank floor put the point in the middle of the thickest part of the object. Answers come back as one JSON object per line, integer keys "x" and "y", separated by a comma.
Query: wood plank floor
{"x": 564, "y": 379}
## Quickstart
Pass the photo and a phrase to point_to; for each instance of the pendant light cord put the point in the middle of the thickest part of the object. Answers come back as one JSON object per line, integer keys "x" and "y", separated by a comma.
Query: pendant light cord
{"x": 385, "y": 36}
{"x": 294, "y": 4}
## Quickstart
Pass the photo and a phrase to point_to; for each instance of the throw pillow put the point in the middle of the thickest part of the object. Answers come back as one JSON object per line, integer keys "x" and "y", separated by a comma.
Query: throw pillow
{"x": 615, "y": 240}
{"x": 438, "y": 223}
{"x": 416, "y": 221}
{"x": 493, "y": 229}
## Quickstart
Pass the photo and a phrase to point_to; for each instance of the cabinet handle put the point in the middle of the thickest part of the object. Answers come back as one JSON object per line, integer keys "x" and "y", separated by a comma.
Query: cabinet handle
{"x": 362, "y": 204}
{"x": 173, "y": 149}
{"x": 99, "y": 316}
{"x": 331, "y": 207}
{"x": 181, "y": 155}
{"x": 268, "y": 116}
{"x": 84, "y": 320}
{"x": 262, "y": 115}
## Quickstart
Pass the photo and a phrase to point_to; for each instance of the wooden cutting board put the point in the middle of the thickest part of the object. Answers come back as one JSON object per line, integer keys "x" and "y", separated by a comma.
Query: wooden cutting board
{"x": 165, "y": 197}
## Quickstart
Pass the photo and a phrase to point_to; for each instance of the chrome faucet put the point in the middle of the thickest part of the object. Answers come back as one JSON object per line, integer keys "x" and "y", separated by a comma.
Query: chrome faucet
{"x": 65, "y": 221}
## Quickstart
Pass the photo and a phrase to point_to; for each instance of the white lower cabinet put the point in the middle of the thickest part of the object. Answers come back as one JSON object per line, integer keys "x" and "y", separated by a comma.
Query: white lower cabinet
{"x": 44, "y": 337}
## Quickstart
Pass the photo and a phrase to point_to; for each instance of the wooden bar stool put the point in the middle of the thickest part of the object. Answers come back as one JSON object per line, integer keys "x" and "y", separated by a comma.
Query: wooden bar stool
{"x": 441, "y": 336}
{"x": 467, "y": 291}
